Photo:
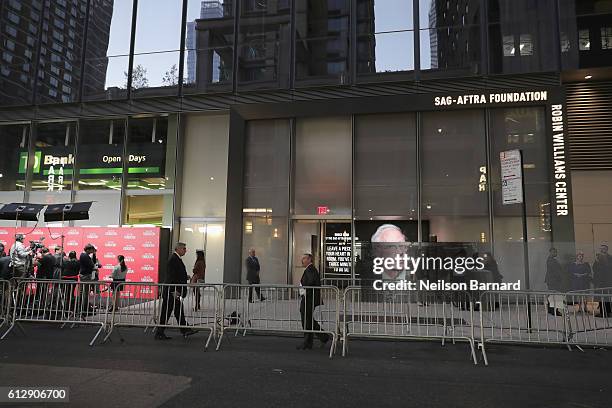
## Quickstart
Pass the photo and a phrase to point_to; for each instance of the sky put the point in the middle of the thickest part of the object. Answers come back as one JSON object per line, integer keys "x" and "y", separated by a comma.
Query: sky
{"x": 158, "y": 29}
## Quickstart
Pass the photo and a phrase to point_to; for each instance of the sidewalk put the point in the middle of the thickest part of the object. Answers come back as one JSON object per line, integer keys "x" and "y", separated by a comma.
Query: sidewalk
{"x": 264, "y": 371}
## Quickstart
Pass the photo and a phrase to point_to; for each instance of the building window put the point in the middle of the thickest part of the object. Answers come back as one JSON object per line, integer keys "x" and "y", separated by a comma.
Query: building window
{"x": 526, "y": 44}
{"x": 584, "y": 40}
{"x": 385, "y": 36}
{"x": 606, "y": 38}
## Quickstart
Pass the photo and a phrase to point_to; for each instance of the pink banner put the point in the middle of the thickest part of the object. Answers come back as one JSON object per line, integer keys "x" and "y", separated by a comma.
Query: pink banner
{"x": 139, "y": 246}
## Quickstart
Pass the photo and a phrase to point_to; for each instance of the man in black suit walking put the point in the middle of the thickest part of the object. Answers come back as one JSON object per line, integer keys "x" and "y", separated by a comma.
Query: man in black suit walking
{"x": 252, "y": 267}
{"x": 171, "y": 295}
{"x": 310, "y": 299}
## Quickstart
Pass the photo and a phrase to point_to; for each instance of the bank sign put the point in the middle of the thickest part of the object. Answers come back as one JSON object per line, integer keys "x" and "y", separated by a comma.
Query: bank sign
{"x": 57, "y": 163}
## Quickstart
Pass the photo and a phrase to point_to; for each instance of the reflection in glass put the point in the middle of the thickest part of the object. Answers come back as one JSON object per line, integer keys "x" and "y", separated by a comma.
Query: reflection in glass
{"x": 519, "y": 36}
{"x": 322, "y": 40}
{"x": 209, "y": 45}
{"x": 108, "y": 48}
{"x": 61, "y": 40}
{"x": 264, "y": 43}
{"x": 19, "y": 25}
{"x": 54, "y": 157}
{"x": 156, "y": 52}
{"x": 385, "y": 52}
{"x": 384, "y": 36}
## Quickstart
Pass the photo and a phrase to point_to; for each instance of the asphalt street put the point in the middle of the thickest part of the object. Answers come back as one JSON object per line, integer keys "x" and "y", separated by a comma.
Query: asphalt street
{"x": 267, "y": 371}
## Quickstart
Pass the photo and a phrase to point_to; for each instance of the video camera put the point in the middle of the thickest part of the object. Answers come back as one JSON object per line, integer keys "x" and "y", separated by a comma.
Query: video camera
{"x": 36, "y": 245}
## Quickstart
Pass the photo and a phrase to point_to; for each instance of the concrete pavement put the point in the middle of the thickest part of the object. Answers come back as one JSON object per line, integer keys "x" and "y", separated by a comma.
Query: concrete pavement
{"x": 265, "y": 371}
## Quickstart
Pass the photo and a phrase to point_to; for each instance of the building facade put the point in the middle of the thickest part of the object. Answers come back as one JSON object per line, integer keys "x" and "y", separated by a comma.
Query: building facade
{"x": 294, "y": 126}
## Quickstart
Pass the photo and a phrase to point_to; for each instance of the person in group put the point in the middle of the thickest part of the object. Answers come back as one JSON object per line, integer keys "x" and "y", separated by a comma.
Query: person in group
{"x": 253, "y": 268}
{"x": 70, "y": 270}
{"x": 490, "y": 264}
{"x": 19, "y": 257}
{"x": 60, "y": 260}
{"x": 46, "y": 265}
{"x": 86, "y": 270}
{"x": 5, "y": 267}
{"x": 70, "y": 273}
{"x": 199, "y": 272}
{"x": 86, "y": 263}
{"x": 2, "y": 250}
{"x": 310, "y": 299}
{"x": 579, "y": 273}
{"x": 119, "y": 273}
{"x": 602, "y": 268}
{"x": 176, "y": 274}
{"x": 6, "y": 274}
{"x": 554, "y": 281}
{"x": 554, "y": 272}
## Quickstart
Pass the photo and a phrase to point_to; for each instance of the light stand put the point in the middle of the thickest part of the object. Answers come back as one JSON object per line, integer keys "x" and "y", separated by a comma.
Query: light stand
{"x": 66, "y": 212}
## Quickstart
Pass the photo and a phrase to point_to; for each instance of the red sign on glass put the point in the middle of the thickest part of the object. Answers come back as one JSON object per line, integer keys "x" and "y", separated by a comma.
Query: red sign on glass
{"x": 322, "y": 210}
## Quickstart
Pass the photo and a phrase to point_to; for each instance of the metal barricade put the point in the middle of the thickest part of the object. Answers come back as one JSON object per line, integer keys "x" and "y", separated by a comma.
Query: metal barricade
{"x": 5, "y": 302}
{"x": 589, "y": 317}
{"x": 522, "y": 317}
{"x": 60, "y": 301}
{"x": 419, "y": 315}
{"x": 160, "y": 306}
{"x": 286, "y": 309}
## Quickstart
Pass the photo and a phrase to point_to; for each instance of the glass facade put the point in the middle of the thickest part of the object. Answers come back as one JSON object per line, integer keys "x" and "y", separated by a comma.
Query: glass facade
{"x": 266, "y": 198}
{"x": 13, "y": 167}
{"x": 71, "y": 51}
{"x": 89, "y": 160}
{"x": 419, "y": 183}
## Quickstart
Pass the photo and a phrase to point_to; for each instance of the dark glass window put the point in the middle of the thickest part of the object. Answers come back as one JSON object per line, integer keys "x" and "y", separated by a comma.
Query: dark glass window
{"x": 586, "y": 33}
{"x": 68, "y": 61}
{"x": 454, "y": 204}
{"x": 151, "y": 164}
{"x": 385, "y": 37}
{"x": 156, "y": 49}
{"x": 100, "y": 166}
{"x": 524, "y": 129}
{"x": 450, "y": 36}
{"x": 322, "y": 40}
{"x": 520, "y": 36}
{"x": 264, "y": 44}
{"x": 53, "y": 164}
{"x": 385, "y": 179}
{"x": 108, "y": 49}
{"x": 209, "y": 46}
{"x": 266, "y": 194}
{"x": 13, "y": 166}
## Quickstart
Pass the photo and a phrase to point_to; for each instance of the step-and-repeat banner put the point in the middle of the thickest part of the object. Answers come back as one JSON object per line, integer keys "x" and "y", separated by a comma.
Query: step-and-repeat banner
{"x": 139, "y": 246}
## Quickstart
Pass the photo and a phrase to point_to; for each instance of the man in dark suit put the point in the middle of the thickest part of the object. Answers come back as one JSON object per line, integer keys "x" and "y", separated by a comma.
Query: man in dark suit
{"x": 171, "y": 295}
{"x": 310, "y": 299}
{"x": 252, "y": 267}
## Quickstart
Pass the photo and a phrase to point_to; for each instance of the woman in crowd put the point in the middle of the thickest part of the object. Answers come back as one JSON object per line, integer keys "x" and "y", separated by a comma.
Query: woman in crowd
{"x": 579, "y": 273}
{"x": 199, "y": 270}
{"x": 119, "y": 274}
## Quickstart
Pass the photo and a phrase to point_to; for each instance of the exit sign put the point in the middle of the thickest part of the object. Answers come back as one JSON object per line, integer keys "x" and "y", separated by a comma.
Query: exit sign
{"x": 322, "y": 210}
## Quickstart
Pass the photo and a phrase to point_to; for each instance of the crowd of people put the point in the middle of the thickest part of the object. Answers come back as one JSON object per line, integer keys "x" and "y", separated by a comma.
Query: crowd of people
{"x": 579, "y": 274}
{"x": 37, "y": 261}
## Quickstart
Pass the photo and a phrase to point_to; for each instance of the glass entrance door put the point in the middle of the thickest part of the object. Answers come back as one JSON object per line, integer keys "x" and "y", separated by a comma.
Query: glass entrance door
{"x": 330, "y": 244}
